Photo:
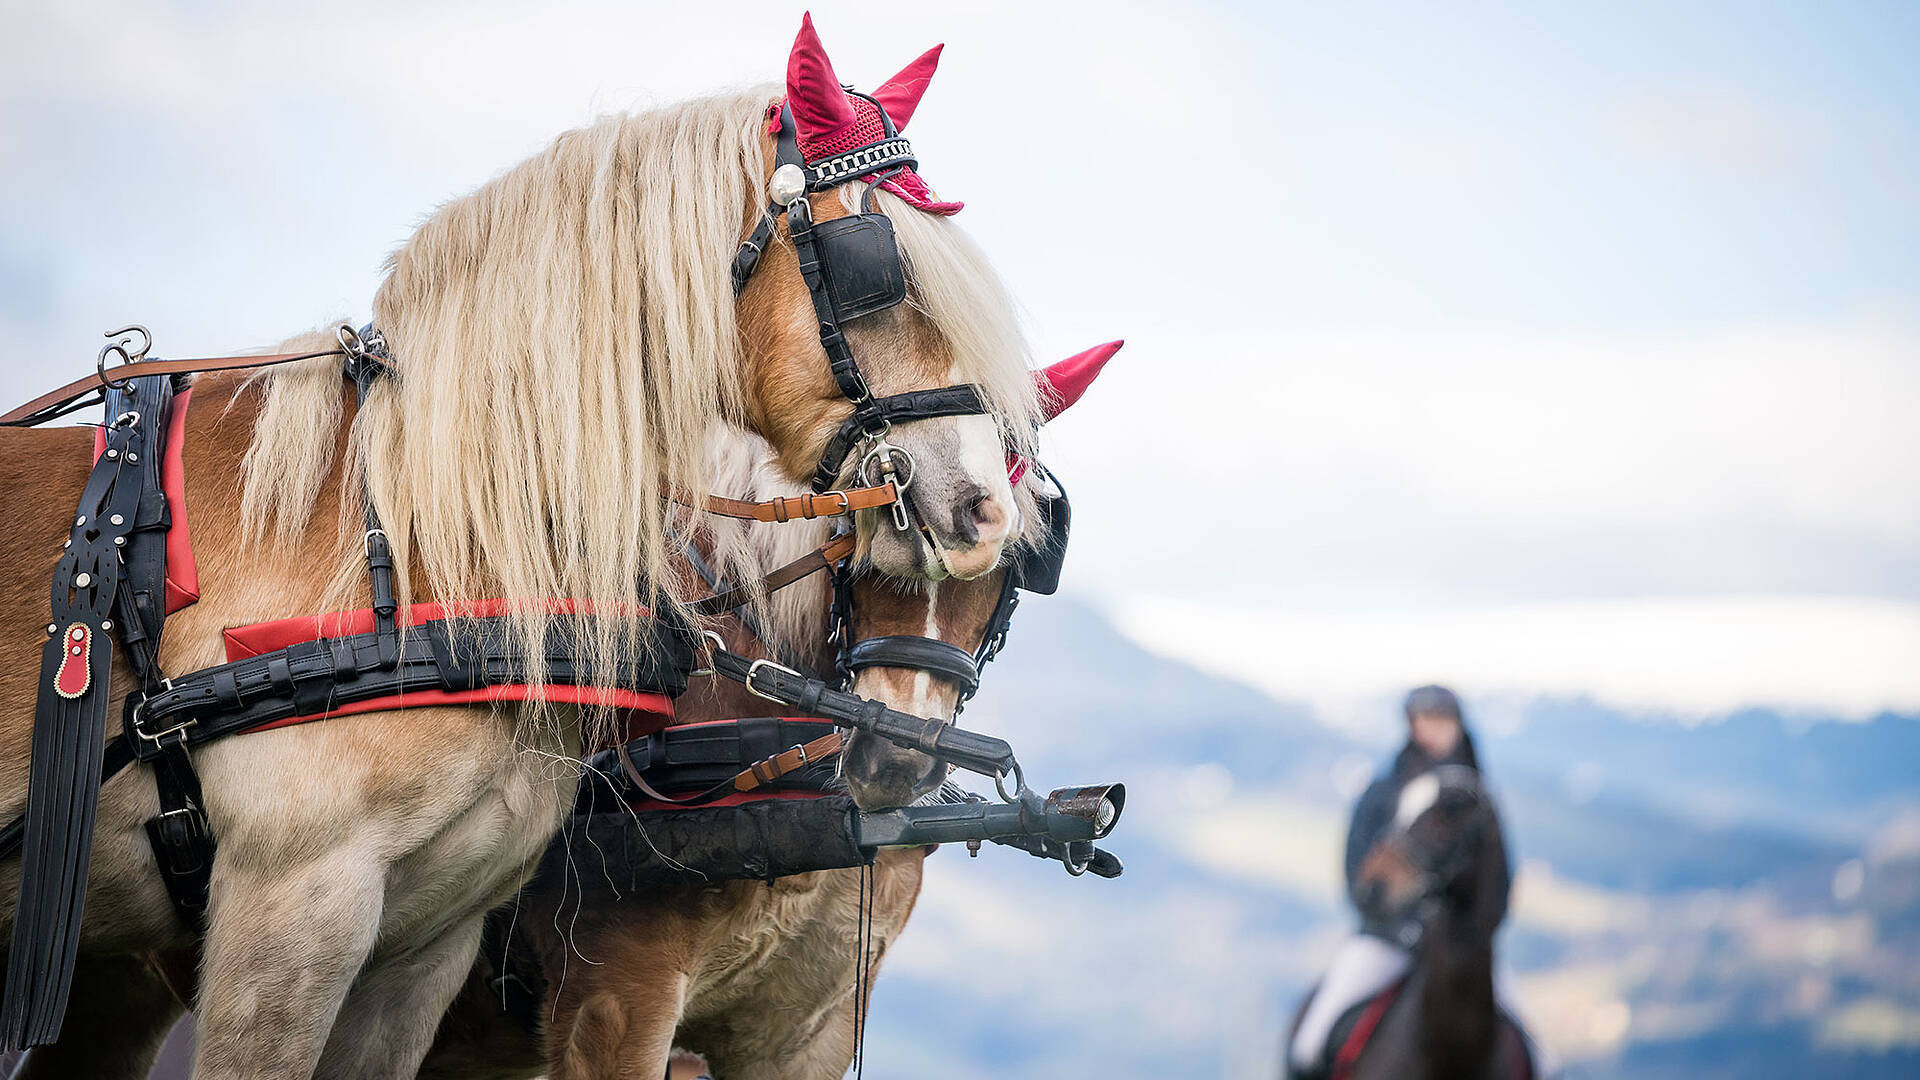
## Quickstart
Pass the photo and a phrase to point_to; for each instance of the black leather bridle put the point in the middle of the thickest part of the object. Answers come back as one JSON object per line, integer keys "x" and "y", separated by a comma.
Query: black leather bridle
{"x": 852, "y": 267}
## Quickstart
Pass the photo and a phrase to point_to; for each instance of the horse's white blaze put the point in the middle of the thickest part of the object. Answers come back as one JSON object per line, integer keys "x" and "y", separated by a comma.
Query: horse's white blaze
{"x": 1416, "y": 798}
{"x": 922, "y": 681}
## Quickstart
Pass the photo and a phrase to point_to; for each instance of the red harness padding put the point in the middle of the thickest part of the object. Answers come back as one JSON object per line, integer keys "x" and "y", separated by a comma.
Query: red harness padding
{"x": 183, "y": 578}
{"x": 1363, "y": 1029}
{"x": 642, "y": 712}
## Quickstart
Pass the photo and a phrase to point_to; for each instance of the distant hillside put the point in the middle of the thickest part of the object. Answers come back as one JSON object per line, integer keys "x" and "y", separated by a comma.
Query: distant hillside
{"x": 1834, "y": 778}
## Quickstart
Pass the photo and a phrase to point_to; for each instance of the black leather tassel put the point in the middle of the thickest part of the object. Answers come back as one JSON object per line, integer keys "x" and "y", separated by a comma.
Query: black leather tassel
{"x": 63, "y": 790}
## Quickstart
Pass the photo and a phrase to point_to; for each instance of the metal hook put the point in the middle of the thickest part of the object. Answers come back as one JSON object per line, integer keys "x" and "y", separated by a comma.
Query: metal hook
{"x": 883, "y": 452}
{"x": 122, "y": 338}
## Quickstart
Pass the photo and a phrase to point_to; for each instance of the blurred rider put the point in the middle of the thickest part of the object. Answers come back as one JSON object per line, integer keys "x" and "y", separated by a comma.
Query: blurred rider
{"x": 1371, "y": 959}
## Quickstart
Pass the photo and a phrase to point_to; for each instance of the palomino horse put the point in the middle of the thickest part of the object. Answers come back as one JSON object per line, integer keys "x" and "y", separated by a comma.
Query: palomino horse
{"x": 1441, "y": 873}
{"x": 560, "y": 342}
{"x": 765, "y": 981}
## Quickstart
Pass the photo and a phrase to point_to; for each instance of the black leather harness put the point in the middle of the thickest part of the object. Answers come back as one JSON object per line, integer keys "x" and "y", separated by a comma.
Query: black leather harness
{"x": 852, "y": 267}
{"x": 110, "y": 584}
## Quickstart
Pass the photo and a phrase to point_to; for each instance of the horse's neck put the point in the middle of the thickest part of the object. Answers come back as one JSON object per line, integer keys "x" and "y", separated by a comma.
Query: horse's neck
{"x": 1456, "y": 995}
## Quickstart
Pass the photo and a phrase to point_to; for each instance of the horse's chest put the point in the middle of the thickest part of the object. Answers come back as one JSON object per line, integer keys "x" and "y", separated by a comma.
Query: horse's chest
{"x": 492, "y": 831}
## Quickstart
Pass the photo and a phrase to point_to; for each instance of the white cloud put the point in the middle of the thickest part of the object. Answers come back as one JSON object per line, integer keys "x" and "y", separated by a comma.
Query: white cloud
{"x": 1396, "y": 471}
{"x": 1694, "y": 657}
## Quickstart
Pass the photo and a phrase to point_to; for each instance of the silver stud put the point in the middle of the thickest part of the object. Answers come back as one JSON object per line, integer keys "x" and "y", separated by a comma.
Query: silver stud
{"x": 117, "y": 520}
{"x": 52, "y": 629}
{"x": 78, "y": 633}
{"x": 76, "y": 650}
{"x": 787, "y": 185}
{"x": 79, "y": 521}
{"x": 106, "y": 624}
{"x": 119, "y": 541}
{"x": 81, "y": 581}
{"x": 133, "y": 458}
{"x": 112, "y": 454}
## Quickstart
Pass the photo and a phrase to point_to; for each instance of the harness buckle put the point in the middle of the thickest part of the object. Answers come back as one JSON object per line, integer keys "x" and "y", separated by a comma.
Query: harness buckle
{"x": 754, "y": 669}
{"x": 158, "y": 739}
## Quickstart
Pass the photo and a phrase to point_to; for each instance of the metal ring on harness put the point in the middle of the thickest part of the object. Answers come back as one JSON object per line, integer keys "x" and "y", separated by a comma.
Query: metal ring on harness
{"x": 121, "y": 339}
{"x": 719, "y": 643}
{"x": 350, "y": 342}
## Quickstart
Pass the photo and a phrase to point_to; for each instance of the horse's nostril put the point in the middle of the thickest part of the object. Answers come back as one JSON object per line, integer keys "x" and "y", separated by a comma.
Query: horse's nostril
{"x": 979, "y": 515}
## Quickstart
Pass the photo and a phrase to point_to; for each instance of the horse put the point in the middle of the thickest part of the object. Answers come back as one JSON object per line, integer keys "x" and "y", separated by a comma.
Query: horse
{"x": 557, "y": 345}
{"x": 1439, "y": 872}
{"x": 762, "y": 979}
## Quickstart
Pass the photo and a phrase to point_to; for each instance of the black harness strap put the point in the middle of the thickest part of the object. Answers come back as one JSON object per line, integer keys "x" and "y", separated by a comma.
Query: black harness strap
{"x": 703, "y": 758}
{"x": 319, "y": 676}
{"x": 69, "y": 727}
{"x": 961, "y": 400}
{"x": 969, "y": 750}
{"x": 950, "y": 662}
{"x": 852, "y": 267}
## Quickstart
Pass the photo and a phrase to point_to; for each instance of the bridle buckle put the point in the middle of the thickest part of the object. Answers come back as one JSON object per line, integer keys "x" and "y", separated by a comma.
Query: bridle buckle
{"x": 754, "y": 669}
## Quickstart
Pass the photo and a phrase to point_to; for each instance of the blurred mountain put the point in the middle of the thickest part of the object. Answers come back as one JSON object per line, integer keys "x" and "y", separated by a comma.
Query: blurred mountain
{"x": 1755, "y": 766}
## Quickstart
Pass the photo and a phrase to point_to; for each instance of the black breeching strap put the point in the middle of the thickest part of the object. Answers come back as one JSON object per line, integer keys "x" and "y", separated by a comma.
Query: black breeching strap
{"x": 69, "y": 728}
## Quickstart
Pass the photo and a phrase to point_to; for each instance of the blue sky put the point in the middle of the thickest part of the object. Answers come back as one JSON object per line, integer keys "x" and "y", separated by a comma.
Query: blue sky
{"x": 1531, "y": 345}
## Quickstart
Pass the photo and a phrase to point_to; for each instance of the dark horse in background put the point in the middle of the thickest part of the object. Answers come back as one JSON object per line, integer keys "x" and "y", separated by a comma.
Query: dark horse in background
{"x": 1440, "y": 875}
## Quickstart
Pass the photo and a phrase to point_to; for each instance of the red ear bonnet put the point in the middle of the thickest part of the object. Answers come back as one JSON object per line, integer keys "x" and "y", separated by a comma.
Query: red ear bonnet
{"x": 820, "y": 107}
{"x": 830, "y": 121}
{"x": 1062, "y": 383}
{"x": 900, "y": 95}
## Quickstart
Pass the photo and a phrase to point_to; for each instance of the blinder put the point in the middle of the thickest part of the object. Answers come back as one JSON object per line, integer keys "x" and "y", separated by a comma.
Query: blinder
{"x": 862, "y": 263}
{"x": 1038, "y": 567}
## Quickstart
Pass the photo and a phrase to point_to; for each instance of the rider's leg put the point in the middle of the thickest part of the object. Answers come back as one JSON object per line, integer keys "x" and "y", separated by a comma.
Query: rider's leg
{"x": 1362, "y": 966}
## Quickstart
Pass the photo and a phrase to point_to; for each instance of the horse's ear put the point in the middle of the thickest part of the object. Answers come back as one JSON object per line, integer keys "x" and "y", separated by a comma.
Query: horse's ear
{"x": 1062, "y": 383}
{"x": 900, "y": 95}
{"x": 820, "y": 107}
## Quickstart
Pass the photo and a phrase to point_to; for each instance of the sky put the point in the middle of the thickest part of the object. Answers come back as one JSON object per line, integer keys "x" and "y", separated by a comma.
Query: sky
{"x": 1541, "y": 349}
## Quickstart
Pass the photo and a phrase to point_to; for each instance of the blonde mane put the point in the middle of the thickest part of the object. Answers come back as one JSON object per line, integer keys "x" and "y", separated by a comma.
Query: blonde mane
{"x": 565, "y": 341}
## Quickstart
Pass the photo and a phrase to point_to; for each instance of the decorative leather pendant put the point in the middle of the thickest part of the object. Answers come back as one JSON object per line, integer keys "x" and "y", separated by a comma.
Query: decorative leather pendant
{"x": 76, "y": 672}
